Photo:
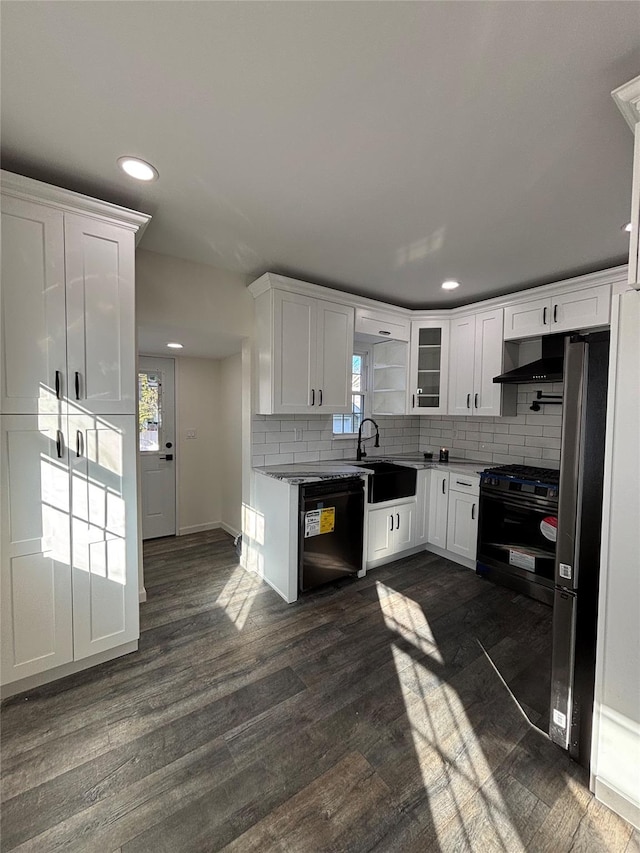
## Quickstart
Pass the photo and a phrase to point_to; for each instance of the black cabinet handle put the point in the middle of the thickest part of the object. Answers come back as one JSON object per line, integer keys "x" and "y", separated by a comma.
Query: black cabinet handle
{"x": 383, "y": 332}
{"x": 77, "y": 385}
{"x": 468, "y": 401}
{"x": 475, "y": 400}
{"x": 398, "y": 521}
{"x": 313, "y": 397}
{"x": 391, "y": 517}
{"x": 320, "y": 396}
{"x": 58, "y": 384}
{"x": 79, "y": 444}
{"x": 473, "y": 512}
{"x": 544, "y": 316}
{"x": 59, "y": 443}
{"x": 460, "y": 483}
{"x": 413, "y": 401}
{"x": 555, "y": 313}
{"x": 443, "y": 489}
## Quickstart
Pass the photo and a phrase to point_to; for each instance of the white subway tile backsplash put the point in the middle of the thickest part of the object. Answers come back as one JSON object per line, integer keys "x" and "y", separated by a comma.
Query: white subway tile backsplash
{"x": 525, "y": 429}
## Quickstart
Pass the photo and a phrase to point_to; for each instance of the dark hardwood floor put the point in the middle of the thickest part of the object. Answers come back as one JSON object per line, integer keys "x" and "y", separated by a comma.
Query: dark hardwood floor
{"x": 369, "y": 716}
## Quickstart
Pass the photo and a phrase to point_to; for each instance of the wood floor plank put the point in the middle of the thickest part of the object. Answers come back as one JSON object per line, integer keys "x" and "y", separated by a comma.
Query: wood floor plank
{"x": 371, "y": 715}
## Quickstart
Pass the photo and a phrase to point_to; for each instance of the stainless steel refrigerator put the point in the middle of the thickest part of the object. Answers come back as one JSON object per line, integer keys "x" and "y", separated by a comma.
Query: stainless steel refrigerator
{"x": 577, "y": 564}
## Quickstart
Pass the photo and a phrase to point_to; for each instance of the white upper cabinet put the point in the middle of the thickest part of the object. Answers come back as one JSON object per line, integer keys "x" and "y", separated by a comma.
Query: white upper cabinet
{"x": 305, "y": 350}
{"x": 581, "y": 309}
{"x": 476, "y": 357}
{"x": 382, "y": 324}
{"x": 564, "y": 312}
{"x": 68, "y": 300}
{"x": 292, "y": 354}
{"x": 100, "y": 315}
{"x": 461, "y": 373}
{"x": 334, "y": 358}
{"x": 33, "y": 307}
{"x": 429, "y": 370}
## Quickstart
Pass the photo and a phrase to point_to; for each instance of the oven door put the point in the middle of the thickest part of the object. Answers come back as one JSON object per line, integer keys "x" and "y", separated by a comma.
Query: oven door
{"x": 517, "y": 536}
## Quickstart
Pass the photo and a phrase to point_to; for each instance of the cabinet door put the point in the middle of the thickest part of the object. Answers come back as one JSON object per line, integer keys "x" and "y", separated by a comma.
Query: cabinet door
{"x": 527, "y": 319}
{"x": 438, "y": 508}
{"x": 33, "y": 307}
{"x": 423, "y": 486}
{"x": 35, "y": 563}
{"x": 462, "y": 524}
{"x": 100, "y": 315}
{"x": 461, "y": 388}
{"x": 294, "y": 353}
{"x": 429, "y": 367}
{"x": 104, "y": 531}
{"x": 488, "y": 357}
{"x": 581, "y": 309}
{"x": 334, "y": 357}
{"x": 380, "y": 536}
{"x": 404, "y": 517}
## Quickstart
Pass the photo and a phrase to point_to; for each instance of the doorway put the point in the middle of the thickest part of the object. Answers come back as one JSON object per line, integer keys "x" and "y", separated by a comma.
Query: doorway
{"x": 156, "y": 431}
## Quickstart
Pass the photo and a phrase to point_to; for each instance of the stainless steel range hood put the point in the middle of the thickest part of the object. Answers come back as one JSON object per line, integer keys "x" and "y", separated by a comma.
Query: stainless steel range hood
{"x": 549, "y": 368}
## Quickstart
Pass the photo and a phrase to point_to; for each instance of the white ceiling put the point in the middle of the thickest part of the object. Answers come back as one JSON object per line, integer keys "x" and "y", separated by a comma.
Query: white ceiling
{"x": 377, "y": 147}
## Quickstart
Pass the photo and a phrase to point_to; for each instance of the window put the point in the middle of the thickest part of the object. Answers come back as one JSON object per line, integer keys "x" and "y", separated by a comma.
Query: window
{"x": 348, "y": 424}
{"x": 149, "y": 411}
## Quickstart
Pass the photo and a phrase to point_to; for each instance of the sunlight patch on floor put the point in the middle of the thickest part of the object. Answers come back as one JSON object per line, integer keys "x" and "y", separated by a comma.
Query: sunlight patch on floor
{"x": 405, "y": 617}
{"x": 451, "y": 759}
{"x": 237, "y": 596}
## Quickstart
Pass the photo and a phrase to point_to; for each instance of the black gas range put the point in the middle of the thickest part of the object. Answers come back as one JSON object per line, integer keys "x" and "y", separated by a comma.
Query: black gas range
{"x": 517, "y": 528}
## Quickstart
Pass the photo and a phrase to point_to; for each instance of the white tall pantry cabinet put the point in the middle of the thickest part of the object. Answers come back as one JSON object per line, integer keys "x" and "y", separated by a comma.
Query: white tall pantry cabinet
{"x": 68, "y": 512}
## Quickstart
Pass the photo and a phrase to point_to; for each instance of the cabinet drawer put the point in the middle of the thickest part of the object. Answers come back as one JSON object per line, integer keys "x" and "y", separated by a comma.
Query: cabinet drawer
{"x": 371, "y": 323}
{"x": 463, "y": 483}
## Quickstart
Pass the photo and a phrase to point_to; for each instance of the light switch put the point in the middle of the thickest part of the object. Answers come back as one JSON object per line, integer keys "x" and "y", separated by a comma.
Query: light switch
{"x": 192, "y": 433}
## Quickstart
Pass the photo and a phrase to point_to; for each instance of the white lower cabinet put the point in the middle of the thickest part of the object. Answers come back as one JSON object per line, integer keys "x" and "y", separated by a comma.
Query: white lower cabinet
{"x": 453, "y": 513}
{"x": 69, "y": 573}
{"x": 462, "y": 524}
{"x": 391, "y": 530}
{"x": 438, "y": 508}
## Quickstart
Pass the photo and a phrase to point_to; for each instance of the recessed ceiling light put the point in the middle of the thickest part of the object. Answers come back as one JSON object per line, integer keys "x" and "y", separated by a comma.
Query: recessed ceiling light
{"x": 450, "y": 285}
{"x": 138, "y": 169}
{"x": 627, "y": 227}
{"x": 174, "y": 345}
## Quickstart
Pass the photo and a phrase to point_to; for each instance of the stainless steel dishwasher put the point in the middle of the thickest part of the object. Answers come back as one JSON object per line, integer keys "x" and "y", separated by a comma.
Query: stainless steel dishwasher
{"x": 330, "y": 533}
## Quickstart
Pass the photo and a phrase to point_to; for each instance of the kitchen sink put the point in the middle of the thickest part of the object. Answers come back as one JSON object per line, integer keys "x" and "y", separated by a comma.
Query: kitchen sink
{"x": 387, "y": 482}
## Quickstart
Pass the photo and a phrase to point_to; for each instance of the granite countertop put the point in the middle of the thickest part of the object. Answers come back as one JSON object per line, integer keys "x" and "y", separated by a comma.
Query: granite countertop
{"x": 298, "y": 473}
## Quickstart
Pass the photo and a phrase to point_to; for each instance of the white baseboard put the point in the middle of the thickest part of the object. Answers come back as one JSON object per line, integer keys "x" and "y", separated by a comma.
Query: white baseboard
{"x": 142, "y": 595}
{"x": 41, "y": 678}
{"x": 618, "y": 803}
{"x": 198, "y": 528}
{"x": 229, "y": 529}
{"x": 449, "y": 555}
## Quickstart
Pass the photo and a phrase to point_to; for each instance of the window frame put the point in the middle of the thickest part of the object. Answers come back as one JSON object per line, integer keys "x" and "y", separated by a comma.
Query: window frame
{"x": 365, "y": 392}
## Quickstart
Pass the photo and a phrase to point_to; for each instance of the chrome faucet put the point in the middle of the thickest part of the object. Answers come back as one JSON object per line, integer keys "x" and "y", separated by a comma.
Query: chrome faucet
{"x": 360, "y": 452}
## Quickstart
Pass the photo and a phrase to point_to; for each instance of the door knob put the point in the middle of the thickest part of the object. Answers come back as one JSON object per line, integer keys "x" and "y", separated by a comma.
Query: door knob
{"x": 167, "y": 456}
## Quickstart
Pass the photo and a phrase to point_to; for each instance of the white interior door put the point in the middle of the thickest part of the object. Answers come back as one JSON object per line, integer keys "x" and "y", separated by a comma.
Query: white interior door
{"x": 157, "y": 436}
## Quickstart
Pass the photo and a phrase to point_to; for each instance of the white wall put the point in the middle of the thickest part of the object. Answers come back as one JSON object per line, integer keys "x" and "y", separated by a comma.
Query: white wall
{"x": 230, "y": 433}
{"x": 198, "y": 460}
{"x": 210, "y": 307}
{"x": 616, "y": 747}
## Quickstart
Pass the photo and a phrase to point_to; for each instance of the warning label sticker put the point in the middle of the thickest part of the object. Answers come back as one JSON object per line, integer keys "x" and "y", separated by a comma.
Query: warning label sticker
{"x": 318, "y": 521}
{"x": 522, "y": 560}
{"x": 549, "y": 528}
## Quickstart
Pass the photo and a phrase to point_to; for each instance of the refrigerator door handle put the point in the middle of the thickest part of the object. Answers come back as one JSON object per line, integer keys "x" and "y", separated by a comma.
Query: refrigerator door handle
{"x": 575, "y": 364}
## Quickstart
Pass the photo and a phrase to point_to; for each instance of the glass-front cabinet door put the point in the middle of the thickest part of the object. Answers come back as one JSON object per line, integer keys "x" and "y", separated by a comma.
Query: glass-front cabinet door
{"x": 429, "y": 367}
